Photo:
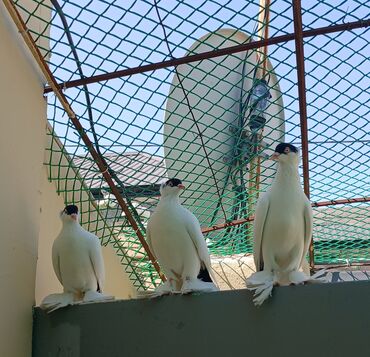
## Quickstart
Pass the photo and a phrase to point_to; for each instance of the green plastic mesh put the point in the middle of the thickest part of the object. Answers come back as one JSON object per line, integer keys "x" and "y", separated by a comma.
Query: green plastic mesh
{"x": 161, "y": 123}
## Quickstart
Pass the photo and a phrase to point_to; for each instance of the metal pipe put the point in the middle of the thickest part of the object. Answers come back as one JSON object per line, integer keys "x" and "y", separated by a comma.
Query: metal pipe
{"x": 299, "y": 51}
{"x": 63, "y": 100}
{"x": 340, "y": 202}
{"x": 210, "y": 54}
{"x": 349, "y": 266}
{"x": 301, "y": 91}
{"x": 263, "y": 33}
{"x": 237, "y": 222}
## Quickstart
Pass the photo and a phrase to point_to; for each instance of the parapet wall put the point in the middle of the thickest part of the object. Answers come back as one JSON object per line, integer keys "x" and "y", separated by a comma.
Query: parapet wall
{"x": 320, "y": 320}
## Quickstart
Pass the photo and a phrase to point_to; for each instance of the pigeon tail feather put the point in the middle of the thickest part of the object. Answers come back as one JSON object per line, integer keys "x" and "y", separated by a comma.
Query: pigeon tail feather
{"x": 198, "y": 286}
{"x": 53, "y": 302}
{"x": 163, "y": 289}
{"x": 259, "y": 278}
{"x": 95, "y": 296}
{"x": 298, "y": 277}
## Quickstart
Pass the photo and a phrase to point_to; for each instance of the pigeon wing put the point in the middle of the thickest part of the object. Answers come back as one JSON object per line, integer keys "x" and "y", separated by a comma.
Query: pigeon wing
{"x": 97, "y": 261}
{"x": 149, "y": 239}
{"x": 307, "y": 228}
{"x": 196, "y": 235}
{"x": 258, "y": 226}
{"x": 56, "y": 262}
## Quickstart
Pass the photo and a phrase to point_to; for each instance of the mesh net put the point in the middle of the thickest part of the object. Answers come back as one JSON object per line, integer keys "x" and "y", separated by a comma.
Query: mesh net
{"x": 210, "y": 122}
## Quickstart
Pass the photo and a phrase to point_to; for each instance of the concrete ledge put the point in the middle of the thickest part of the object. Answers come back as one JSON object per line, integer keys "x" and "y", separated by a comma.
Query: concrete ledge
{"x": 320, "y": 320}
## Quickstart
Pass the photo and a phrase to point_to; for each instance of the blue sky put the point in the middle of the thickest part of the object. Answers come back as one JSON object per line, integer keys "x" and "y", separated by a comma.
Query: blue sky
{"x": 129, "y": 111}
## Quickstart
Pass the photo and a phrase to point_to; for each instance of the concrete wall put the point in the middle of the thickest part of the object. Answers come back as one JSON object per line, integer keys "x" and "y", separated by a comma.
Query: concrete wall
{"x": 22, "y": 142}
{"x": 322, "y": 320}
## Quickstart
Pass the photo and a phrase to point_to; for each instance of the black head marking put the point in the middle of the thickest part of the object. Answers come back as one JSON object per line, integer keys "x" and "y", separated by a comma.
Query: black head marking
{"x": 280, "y": 148}
{"x": 173, "y": 182}
{"x": 70, "y": 209}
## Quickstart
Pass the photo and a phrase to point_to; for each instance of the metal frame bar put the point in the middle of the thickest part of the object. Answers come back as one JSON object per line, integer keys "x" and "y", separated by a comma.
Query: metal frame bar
{"x": 211, "y": 54}
{"x": 341, "y": 202}
{"x": 217, "y": 227}
{"x": 298, "y": 34}
{"x": 313, "y": 204}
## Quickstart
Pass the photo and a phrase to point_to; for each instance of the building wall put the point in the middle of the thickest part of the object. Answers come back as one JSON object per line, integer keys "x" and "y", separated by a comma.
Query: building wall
{"x": 29, "y": 203}
{"x": 22, "y": 142}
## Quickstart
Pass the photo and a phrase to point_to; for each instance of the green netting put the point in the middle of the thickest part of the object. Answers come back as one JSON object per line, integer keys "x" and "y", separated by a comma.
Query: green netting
{"x": 195, "y": 122}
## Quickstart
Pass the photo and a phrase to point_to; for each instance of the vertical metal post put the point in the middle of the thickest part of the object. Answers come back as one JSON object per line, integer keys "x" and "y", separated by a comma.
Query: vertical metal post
{"x": 298, "y": 34}
{"x": 263, "y": 31}
{"x": 263, "y": 34}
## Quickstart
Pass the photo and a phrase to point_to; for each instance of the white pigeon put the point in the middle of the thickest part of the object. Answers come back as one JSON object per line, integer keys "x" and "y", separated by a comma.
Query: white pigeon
{"x": 78, "y": 264}
{"x": 282, "y": 229}
{"x": 176, "y": 240}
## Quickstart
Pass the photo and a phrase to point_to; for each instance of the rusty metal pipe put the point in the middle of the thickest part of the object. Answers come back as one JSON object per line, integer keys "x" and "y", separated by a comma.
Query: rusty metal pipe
{"x": 237, "y": 222}
{"x": 211, "y": 54}
{"x": 299, "y": 52}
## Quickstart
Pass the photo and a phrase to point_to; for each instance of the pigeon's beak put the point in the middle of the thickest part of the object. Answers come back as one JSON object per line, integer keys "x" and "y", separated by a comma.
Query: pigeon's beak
{"x": 275, "y": 156}
{"x": 181, "y": 186}
{"x": 74, "y": 216}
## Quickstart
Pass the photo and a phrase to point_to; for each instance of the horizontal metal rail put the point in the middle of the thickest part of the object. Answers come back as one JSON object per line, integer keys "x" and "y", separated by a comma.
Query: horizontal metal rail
{"x": 237, "y": 222}
{"x": 211, "y": 54}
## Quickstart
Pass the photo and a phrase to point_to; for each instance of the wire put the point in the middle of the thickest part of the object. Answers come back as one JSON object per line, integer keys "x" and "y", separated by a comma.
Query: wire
{"x": 60, "y": 12}
{"x": 118, "y": 145}
{"x": 189, "y": 107}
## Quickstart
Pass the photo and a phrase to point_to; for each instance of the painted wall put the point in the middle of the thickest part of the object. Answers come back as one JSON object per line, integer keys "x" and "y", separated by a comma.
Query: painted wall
{"x": 22, "y": 142}
{"x": 30, "y": 206}
{"x": 321, "y": 320}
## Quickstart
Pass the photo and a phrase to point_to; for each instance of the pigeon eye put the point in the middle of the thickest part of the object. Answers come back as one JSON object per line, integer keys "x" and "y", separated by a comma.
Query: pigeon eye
{"x": 170, "y": 184}
{"x": 286, "y": 150}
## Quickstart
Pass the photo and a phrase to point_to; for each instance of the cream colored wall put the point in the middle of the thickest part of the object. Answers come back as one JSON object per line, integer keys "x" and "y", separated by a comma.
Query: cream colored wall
{"x": 117, "y": 282}
{"x": 29, "y": 203}
{"x": 22, "y": 140}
